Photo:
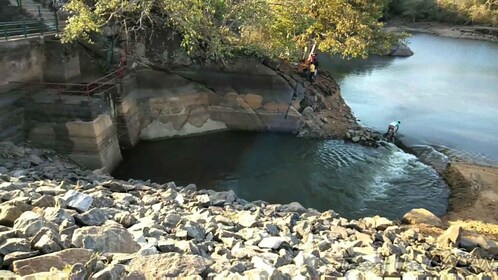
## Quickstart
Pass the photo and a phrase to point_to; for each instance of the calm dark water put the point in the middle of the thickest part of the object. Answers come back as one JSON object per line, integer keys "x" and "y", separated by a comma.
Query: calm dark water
{"x": 350, "y": 179}
{"x": 446, "y": 95}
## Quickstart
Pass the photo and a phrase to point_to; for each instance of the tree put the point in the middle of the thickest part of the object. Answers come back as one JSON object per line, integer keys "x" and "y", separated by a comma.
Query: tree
{"x": 216, "y": 29}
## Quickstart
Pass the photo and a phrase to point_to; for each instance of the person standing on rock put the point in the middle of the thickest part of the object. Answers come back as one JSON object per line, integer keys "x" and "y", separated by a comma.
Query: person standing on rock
{"x": 312, "y": 72}
{"x": 394, "y": 126}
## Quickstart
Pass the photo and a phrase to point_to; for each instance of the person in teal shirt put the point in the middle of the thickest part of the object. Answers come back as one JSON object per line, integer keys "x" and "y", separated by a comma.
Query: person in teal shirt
{"x": 394, "y": 126}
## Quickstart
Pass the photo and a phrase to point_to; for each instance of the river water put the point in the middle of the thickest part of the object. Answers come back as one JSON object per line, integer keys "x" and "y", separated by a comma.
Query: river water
{"x": 445, "y": 95}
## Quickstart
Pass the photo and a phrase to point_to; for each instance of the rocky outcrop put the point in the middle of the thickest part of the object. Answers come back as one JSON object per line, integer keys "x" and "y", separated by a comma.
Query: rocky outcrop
{"x": 401, "y": 50}
{"x": 163, "y": 230}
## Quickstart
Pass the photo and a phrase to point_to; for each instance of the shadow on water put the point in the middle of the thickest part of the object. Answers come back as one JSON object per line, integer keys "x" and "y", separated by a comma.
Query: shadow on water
{"x": 340, "y": 68}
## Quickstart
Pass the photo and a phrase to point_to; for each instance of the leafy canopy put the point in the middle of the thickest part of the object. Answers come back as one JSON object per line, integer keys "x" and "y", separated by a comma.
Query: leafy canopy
{"x": 216, "y": 29}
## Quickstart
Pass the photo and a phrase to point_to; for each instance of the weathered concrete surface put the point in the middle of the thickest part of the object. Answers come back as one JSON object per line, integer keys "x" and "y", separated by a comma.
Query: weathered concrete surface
{"x": 21, "y": 60}
{"x": 62, "y": 62}
{"x": 11, "y": 118}
{"x": 95, "y": 143}
{"x": 198, "y": 102}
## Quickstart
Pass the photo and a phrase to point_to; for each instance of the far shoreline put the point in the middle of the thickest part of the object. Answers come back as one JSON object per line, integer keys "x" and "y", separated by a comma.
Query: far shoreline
{"x": 473, "y": 32}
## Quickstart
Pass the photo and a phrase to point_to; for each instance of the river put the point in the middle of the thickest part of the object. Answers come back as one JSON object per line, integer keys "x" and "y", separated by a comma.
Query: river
{"x": 445, "y": 95}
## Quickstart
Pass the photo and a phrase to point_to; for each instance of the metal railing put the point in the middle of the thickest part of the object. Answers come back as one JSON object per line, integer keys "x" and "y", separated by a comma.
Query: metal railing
{"x": 24, "y": 28}
{"x": 99, "y": 86}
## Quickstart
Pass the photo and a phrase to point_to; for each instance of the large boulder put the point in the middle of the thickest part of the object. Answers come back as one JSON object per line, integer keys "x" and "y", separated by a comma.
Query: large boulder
{"x": 401, "y": 50}
{"x": 29, "y": 223}
{"x": 9, "y": 212}
{"x": 109, "y": 238}
{"x": 58, "y": 260}
{"x": 168, "y": 265}
{"x": 421, "y": 216}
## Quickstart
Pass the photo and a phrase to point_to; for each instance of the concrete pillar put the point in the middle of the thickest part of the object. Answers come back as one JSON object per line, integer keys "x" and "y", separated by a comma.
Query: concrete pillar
{"x": 61, "y": 61}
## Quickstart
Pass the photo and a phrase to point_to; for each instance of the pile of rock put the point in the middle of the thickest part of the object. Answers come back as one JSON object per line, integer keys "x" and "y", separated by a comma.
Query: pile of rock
{"x": 364, "y": 136}
{"x": 58, "y": 220}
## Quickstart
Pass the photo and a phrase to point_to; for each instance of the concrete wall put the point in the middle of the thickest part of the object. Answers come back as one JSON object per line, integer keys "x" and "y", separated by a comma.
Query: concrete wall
{"x": 21, "y": 60}
{"x": 11, "y": 118}
{"x": 62, "y": 61}
{"x": 171, "y": 105}
{"x": 75, "y": 126}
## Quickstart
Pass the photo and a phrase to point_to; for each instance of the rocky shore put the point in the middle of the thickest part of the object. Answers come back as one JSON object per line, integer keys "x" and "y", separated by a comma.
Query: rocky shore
{"x": 58, "y": 220}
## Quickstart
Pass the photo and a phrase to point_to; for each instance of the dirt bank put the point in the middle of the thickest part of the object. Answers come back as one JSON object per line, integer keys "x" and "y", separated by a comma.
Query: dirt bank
{"x": 485, "y": 33}
{"x": 474, "y": 197}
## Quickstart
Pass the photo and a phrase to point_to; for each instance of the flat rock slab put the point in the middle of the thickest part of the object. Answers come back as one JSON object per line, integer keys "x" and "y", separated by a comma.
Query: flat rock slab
{"x": 58, "y": 260}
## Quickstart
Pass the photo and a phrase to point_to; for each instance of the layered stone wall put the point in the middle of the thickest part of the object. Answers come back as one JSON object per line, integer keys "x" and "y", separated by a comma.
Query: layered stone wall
{"x": 80, "y": 128}
{"x": 186, "y": 103}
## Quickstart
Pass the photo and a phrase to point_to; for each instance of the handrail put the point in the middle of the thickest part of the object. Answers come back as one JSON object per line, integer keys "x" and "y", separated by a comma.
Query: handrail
{"x": 111, "y": 80}
{"x": 23, "y": 27}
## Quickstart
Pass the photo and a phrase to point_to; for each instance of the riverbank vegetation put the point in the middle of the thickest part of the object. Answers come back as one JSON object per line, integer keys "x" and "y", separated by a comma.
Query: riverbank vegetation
{"x": 217, "y": 29}
{"x": 483, "y": 12}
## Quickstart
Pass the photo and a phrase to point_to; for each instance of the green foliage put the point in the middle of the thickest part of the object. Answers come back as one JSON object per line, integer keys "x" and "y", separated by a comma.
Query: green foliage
{"x": 217, "y": 29}
{"x": 452, "y": 11}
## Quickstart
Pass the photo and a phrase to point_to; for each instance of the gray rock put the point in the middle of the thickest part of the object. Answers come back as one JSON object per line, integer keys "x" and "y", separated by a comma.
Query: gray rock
{"x": 112, "y": 272}
{"x": 49, "y": 190}
{"x": 271, "y": 242}
{"x": 92, "y": 217}
{"x": 272, "y": 229}
{"x": 356, "y": 139}
{"x": 125, "y": 219}
{"x": 168, "y": 265}
{"x": 14, "y": 256}
{"x": 247, "y": 219}
{"x": 34, "y": 159}
{"x": 58, "y": 215}
{"x": 293, "y": 207}
{"x": 401, "y": 50}
{"x": 44, "y": 201}
{"x": 46, "y": 241}
{"x": 451, "y": 237}
{"x": 29, "y": 223}
{"x": 58, "y": 260}
{"x": 116, "y": 186}
{"x": 105, "y": 239}
{"x": 8, "y": 214}
{"x": 14, "y": 245}
{"x": 256, "y": 273}
{"x": 194, "y": 230}
{"x": 4, "y": 235}
{"x": 78, "y": 201}
{"x": 222, "y": 198}
{"x": 308, "y": 112}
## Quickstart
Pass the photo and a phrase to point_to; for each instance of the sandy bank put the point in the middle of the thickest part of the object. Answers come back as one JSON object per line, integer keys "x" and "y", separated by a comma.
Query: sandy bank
{"x": 485, "y": 33}
{"x": 474, "y": 197}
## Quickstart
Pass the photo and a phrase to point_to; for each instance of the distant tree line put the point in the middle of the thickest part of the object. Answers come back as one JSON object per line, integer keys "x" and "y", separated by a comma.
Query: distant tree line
{"x": 483, "y": 12}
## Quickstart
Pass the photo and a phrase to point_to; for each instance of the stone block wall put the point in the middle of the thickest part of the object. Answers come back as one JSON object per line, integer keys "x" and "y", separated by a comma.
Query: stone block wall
{"x": 84, "y": 130}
